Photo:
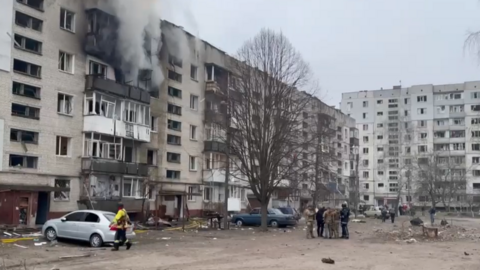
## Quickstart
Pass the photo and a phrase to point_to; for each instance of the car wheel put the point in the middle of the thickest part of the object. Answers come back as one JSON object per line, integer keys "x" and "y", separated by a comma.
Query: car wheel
{"x": 274, "y": 223}
{"x": 50, "y": 234}
{"x": 96, "y": 240}
{"x": 239, "y": 222}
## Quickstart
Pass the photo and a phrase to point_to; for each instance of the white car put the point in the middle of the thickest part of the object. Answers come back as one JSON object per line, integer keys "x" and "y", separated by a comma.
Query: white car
{"x": 373, "y": 211}
{"x": 84, "y": 225}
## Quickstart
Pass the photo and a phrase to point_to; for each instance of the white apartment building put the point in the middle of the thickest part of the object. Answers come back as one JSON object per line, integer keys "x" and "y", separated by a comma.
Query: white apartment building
{"x": 397, "y": 124}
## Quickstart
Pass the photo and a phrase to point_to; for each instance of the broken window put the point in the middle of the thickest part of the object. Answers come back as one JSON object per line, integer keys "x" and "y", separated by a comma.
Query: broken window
{"x": 193, "y": 72}
{"x": 62, "y": 146}
{"x": 97, "y": 69}
{"x": 25, "y": 111}
{"x": 27, "y": 44}
{"x": 174, "y": 92}
{"x": 27, "y": 68}
{"x": 173, "y": 60}
{"x": 36, "y": 4}
{"x": 25, "y": 90}
{"x": 65, "y": 62}
{"x": 19, "y": 161}
{"x": 174, "y": 125}
{"x": 152, "y": 157}
{"x": 172, "y": 75}
{"x": 67, "y": 20}
{"x": 27, "y": 21}
{"x": 174, "y": 109}
{"x": 17, "y": 135}
{"x": 134, "y": 188}
{"x": 62, "y": 195}
{"x": 65, "y": 104}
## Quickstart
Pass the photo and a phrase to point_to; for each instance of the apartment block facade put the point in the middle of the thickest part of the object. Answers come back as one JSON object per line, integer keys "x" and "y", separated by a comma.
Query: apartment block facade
{"x": 396, "y": 125}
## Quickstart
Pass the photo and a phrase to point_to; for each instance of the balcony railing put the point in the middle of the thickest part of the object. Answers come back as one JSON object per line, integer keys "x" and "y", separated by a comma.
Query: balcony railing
{"x": 95, "y": 82}
{"x": 212, "y": 87}
{"x": 114, "y": 167}
{"x": 213, "y": 146}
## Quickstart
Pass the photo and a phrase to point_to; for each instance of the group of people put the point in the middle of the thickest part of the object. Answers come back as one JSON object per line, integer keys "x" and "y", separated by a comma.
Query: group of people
{"x": 328, "y": 221}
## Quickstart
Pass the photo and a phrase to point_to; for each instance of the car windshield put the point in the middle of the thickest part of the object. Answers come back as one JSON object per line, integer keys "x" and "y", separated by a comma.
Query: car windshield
{"x": 276, "y": 211}
{"x": 109, "y": 216}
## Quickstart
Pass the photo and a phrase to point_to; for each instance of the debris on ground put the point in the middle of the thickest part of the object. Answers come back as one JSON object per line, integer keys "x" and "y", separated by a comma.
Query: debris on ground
{"x": 75, "y": 256}
{"x": 444, "y": 222}
{"x": 411, "y": 241}
{"x": 466, "y": 253}
{"x": 416, "y": 222}
{"x": 20, "y": 246}
{"x": 358, "y": 221}
{"x": 328, "y": 260}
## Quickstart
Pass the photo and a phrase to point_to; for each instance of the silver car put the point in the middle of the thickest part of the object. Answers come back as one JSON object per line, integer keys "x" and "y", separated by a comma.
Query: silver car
{"x": 84, "y": 225}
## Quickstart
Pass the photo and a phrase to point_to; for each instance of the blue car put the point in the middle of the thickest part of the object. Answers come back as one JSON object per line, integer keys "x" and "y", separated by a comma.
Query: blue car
{"x": 275, "y": 218}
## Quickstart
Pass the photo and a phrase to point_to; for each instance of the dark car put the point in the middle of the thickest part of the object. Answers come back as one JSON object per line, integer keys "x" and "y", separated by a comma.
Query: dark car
{"x": 275, "y": 218}
{"x": 290, "y": 211}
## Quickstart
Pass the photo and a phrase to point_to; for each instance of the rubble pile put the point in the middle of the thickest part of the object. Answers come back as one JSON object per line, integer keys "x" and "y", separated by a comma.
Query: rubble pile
{"x": 445, "y": 233}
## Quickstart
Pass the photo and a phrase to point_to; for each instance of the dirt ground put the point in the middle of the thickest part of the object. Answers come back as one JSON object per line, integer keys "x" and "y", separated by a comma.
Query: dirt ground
{"x": 373, "y": 245}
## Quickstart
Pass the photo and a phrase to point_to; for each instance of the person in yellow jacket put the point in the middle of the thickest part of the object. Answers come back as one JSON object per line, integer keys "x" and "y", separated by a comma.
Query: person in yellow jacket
{"x": 122, "y": 222}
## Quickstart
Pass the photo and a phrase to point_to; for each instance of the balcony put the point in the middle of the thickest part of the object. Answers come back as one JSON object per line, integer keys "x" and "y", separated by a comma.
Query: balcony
{"x": 108, "y": 166}
{"x": 101, "y": 84}
{"x": 212, "y": 87}
{"x": 215, "y": 117}
{"x": 218, "y": 176}
{"x": 212, "y": 146}
{"x": 354, "y": 141}
{"x": 108, "y": 126}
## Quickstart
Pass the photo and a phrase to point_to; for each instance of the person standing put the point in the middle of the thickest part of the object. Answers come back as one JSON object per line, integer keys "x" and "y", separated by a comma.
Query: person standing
{"x": 384, "y": 213}
{"x": 335, "y": 223}
{"x": 310, "y": 219}
{"x": 320, "y": 221}
{"x": 122, "y": 222}
{"x": 392, "y": 214}
{"x": 326, "y": 222}
{"x": 344, "y": 218}
{"x": 432, "y": 213}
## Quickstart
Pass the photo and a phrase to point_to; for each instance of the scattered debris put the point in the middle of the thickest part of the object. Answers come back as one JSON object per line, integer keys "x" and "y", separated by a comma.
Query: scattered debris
{"x": 20, "y": 246}
{"x": 75, "y": 256}
{"x": 166, "y": 238}
{"x": 416, "y": 222}
{"x": 328, "y": 260}
{"x": 466, "y": 253}
{"x": 444, "y": 222}
{"x": 7, "y": 234}
{"x": 358, "y": 221}
{"x": 411, "y": 241}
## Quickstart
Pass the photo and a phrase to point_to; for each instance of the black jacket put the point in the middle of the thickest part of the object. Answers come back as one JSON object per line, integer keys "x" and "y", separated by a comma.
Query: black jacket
{"x": 344, "y": 214}
{"x": 319, "y": 216}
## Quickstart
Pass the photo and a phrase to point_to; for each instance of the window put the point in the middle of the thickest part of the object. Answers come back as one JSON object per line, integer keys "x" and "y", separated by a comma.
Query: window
{"x": 173, "y": 60}
{"x": 67, "y": 20}
{"x": 380, "y": 173}
{"x": 207, "y": 193}
{"x": 97, "y": 69}
{"x": 19, "y": 161}
{"x": 190, "y": 196}
{"x": 422, "y": 148}
{"x": 65, "y": 62}
{"x": 365, "y": 115}
{"x": 193, "y": 132}
{"x": 365, "y": 150}
{"x": 91, "y": 218}
{"x": 422, "y": 123}
{"x": 17, "y": 135}
{"x": 36, "y": 4}
{"x": 62, "y": 146}
{"x": 173, "y": 157}
{"x": 441, "y": 109}
{"x": 174, "y": 92}
{"x": 366, "y": 198}
{"x": 27, "y": 68}
{"x": 422, "y": 99}
{"x": 441, "y": 122}
{"x": 173, "y": 174}
{"x": 26, "y": 21}
{"x": 475, "y": 147}
{"x": 174, "y": 109}
{"x": 365, "y": 104}
{"x": 380, "y": 101}
{"x": 365, "y": 139}
{"x": 77, "y": 216}
{"x": 25, "y": 90}
{"x": 458, "y": 121}
{"x": 365, "y": 127}
{"x": 380, "y": 185}
{"x": 65, "y": 104}
{"x": 475, "y": 108}
{"x": 365, "y": 162}
{"x": 439, "y": 134}
{"x": 133, "y": 187}
{"x": 379, "y": 137}
{"x": 379, "y": 113}
{"x": 422, "y": 111}
{"x": 174, "y": 125}
{"x": 379, "y": 125}
{"x": 423, "y": 135}
{"x": 457, "y": 134}
{"x": 25, "y": 111}
{"x": 174, "y": 140}
{"x": 349, "y": 106}
{"x": 62, "y": 195}
{"x": 193, "y": 102}
{"x": 154, "y": 124}
{"x": 193, "y": 163}
{"x": 365, "y": 174}
{"x": 193, "y": 72}
{"x": 475, "y": 160}
{"x": 172, "y": 75}
{"x": 28, "y": 44}
{"x": 380, "y": 161}
{"x": 476, "y": 185}
{"x": 475, "y": 121}
{"x": 152, "y": 157}
{"x": 393, "y": 187}
{"x": 457, "y": 108}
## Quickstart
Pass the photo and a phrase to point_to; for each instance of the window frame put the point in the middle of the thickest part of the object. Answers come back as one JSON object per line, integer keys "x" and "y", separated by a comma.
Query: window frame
{"x": 58, "y": 146}
{"x": 57, "y": 194}
{"x": 72, "y": 102}
{"x": 63, "y": 61}
{"x": 63, "y": 14}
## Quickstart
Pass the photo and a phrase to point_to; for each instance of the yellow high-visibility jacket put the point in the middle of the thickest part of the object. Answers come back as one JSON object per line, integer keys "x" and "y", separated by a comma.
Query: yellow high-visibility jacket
{"x": 121, "y": 219}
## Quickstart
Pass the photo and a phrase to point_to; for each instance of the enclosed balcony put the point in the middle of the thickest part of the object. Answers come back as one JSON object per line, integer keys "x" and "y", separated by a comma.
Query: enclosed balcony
{"x": 111, "y": 166}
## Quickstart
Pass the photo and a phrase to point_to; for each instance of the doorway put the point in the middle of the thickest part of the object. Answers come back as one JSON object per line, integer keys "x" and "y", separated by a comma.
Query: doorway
{"x": 42, "y": 208}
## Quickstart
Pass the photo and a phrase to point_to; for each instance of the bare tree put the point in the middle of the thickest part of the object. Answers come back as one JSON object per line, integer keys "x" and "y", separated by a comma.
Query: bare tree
{"x": 266, "y": 110}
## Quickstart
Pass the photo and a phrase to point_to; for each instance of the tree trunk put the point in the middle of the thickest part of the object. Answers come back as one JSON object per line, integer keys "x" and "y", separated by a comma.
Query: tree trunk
{"x": 264, "y": 212}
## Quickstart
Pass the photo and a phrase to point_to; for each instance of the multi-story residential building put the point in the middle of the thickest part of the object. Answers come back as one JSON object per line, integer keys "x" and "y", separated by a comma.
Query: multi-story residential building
{"x": 396, "y": 125}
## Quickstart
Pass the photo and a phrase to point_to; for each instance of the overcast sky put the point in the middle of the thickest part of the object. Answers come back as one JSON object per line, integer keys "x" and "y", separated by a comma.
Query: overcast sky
{"x": 351, "y": 44}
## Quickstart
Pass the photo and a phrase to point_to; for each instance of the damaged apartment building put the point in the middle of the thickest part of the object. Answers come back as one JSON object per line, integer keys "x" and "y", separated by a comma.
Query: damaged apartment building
{"x": 77, "y": 131}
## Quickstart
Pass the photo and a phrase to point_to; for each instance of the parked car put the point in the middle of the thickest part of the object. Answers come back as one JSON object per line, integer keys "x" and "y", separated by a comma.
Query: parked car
{"x": 373, "y": 211}
{"x": 291, "y": 211}
{"x": 275, "y": 218}
{"x": 84, "y": 225}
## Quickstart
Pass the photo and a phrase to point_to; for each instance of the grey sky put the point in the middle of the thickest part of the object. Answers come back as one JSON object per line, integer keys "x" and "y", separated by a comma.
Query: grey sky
{"x": 351, "y": 44}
